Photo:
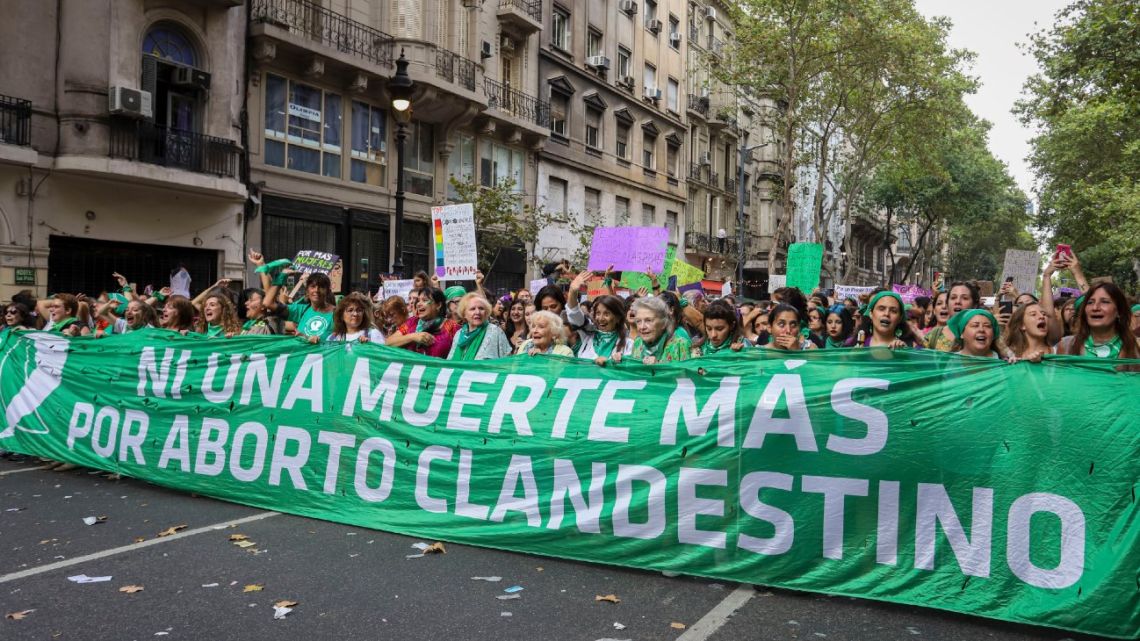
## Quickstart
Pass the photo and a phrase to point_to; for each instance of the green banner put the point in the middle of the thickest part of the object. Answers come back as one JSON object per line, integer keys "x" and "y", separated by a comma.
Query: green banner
{"x": 1005, "y": 491}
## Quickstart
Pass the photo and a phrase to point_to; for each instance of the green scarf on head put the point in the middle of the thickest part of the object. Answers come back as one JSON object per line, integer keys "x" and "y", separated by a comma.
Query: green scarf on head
{"x": 1136, "y": 308}
{"x": 431, "y": 326}
{"x": 958, "y": 322}
{"x": 468, "y": 341}
{"x": 604, "y": 342}
{"x": 1111, "y": 349}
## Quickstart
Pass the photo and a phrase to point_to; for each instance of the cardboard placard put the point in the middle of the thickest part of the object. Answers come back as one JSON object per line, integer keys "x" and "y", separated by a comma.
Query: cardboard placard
{"x": 400, "y": 288}
{"x": 804, "y": 263}
{"x": 311, "y": 261}
{"x": 910, "y": 292}
{"x": 629, "y": 248}
{"x": 776, "y": 281}
{"x": 843, "y": 292}
{"x": 453, "y": 236}
{"x": 1022, "y": 266}
{"x": 536, "y": 285}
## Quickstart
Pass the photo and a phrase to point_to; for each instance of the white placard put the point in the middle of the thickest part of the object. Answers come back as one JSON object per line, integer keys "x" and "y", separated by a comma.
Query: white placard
{"x": 536, "y": 285}
{"x": 399, "y": 288}
{"x": 453, "y": 237}
{"x": 1022, "y": 264}
{"x": 776, "y": 281}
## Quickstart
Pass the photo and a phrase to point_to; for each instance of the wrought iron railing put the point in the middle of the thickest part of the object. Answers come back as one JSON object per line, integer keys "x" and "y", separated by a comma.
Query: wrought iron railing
{"x": 699, "y": 104}
{"x": 696, "y": 170}
{"x": 516, "y": 103}
{"x": 701, "y": 241}
{"x": 533, "y": 8}
{"x": 714, "y": 178}
{"x": 716, "y": 46}
{"x": 694, "y": 33}
{"x": 327, "y": 27}
{"x": 730, "y": 185}
{"x": 158, "y": 145}
{"x": 453, "y": 67}
{"x": 15, "y": 121}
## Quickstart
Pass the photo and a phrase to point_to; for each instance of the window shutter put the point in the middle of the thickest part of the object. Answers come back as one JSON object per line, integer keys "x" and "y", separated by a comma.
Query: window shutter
{"x": 150, "y": 77}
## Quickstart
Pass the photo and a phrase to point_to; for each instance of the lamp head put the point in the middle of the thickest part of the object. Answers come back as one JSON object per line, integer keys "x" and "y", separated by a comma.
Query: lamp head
{"x": 400, "y": 86}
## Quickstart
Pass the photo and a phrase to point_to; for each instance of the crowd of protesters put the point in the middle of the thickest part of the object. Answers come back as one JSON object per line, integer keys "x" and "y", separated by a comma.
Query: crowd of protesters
{"x": 650, "y": 325}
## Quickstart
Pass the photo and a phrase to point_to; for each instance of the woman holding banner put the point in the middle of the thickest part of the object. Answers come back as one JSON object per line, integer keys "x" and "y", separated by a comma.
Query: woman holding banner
{"x": 178, "y": 314}
{"x": 606, "y": 337}
{"x": 313, "y": 315}
{"x": 1102, "y": 326}
{"x": 975, "y": 333}
{"x": 428, "y": 332}
{"x": 218, "y": 318}
{"x": 546, "y": 331}
{"x": 352, "y": 322}
{"x": 886, "y": 325}
{"x": 515, "y": 326}
{"x": 480, "y": 338}
{"x": 961, "y": 296}
{"x": 722, "y": 329}
{"x": 656, "y": 340}
{"x": 839, "y": 328}
{"x": 1027, "y": 335}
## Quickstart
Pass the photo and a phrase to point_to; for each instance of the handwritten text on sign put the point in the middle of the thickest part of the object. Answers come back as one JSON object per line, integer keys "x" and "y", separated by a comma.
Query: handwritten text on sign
{"x": 453, "y": 235}
{"x": 629, "y": 248}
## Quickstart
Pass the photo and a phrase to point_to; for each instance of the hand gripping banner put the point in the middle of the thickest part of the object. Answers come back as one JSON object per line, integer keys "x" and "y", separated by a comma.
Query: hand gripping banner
{"x": 917, "y": 477}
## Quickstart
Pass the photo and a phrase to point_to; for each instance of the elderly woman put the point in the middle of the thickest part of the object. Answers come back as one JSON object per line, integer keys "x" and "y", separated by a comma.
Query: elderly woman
{"x": 546, "y": 331}
{"x": 656, "y": 341}
{"x": 480, "y": 338}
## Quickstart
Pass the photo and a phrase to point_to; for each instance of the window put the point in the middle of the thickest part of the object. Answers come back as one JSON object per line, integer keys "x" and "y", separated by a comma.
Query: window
{"x": 461, "y": 164}
{"x": 622, "y": 149}
{"x": 559, "y": 106}
{"x": 674, "y": 32}
{"x": 168, "y": 42}
{"x": 623, "y": 66}
{"x": 593, "y": 202}
{"x": 419, "y": 159}
{"x": 672, "y": 157}
{"x": 593, "y": 128}
{"x": 648, "y": 216}
{"x": 650, "y": 11}
{"x": 560, "y": 29}
{"x": 672, "y": 93}
{"x": 671, "y": 225}
{"x": 556, "y": 197}
{"x": 650, "y": 78}
{"x": 621, "y": 210}
{"x": 499, "y": 163}
{"x": 648, "y": 147}
{"x": 369, "y": 143}
{"x": 302, "y": 127}
{"x": 594, "y": 43}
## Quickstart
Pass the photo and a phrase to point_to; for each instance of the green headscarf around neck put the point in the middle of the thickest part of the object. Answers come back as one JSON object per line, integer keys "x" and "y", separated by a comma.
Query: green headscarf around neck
{"x": 958, "y": 322}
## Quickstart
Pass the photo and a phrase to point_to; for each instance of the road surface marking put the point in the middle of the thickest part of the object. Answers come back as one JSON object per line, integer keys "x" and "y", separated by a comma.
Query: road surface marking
{"x": 51, "y": 567}
{"x": 24, "y": 469}
{"x": 719, "y": 615}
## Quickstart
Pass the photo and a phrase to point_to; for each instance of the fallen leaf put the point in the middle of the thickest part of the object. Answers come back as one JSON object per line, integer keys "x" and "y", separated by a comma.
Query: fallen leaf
{"x": 254, "y": 587}
{"x": 280, "y": 613}
{"x": 172, "y": 530}
{"x": 140, "y": 539}
{"x": 131, "y": 589}
{"x": 244, "y": 544}
{"x": 435, "y": 548}
{"x": 285, "y": 603}
{"x": 677, "y": 625}
{"x": 16, "y": 616}
{"x": 612, "y": 598}
{"x": 238, "y": 537}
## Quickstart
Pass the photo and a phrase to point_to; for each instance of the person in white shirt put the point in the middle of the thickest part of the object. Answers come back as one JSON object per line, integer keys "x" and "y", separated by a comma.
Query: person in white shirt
{"x": 352, "y": 322}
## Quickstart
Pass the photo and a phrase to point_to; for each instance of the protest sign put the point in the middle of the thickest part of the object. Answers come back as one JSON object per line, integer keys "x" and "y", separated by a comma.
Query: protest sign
{"x": 595, "y": 287}
{"x": 776, "y": 281}
{"x": 1022, "y": 266}
{"x": 536, "y": 285}
{"x": 400, "y": 288}
{"x": 807, "y": 470}
{"x": 453, "y": 235}
{"x": 804, "y": 263}
{"x": 629, "y": 248}
{"x": 312, "y": 261}
{"x": 634, "y": 281}
{"x": 686, "y": 273}
{"x": 909, "y": 292}
{"x": 842, "y": 292}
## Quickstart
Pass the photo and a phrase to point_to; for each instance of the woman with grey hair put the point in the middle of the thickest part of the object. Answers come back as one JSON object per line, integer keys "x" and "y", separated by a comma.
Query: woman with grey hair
{"x": 480, "y": 338}
{"x": 545, "y": 336}
{"x": 656, "y": 341}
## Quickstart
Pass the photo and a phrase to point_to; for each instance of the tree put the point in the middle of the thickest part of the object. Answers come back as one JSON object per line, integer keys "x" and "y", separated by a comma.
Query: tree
{"x": 503, "y": 220}
{"x": 1085, "y": 102}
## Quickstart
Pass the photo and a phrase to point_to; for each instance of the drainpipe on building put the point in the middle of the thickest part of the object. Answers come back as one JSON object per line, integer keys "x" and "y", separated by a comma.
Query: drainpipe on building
{"x": 249, "y": 209}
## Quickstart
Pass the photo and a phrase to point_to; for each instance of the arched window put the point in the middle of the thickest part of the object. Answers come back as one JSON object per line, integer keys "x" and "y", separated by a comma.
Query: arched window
{"x": 169, "y": 43}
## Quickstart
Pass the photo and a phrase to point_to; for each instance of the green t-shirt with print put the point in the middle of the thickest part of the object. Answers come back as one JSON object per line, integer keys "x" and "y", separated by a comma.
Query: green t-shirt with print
{"x": 310, "y": 322}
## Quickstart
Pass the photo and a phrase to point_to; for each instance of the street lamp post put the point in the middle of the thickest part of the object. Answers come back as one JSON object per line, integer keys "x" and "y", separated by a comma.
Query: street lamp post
{"x": 400, "y": 87}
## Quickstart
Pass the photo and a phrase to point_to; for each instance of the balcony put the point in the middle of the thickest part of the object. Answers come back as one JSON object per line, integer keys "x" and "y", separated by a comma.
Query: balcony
{"x": 15, "y": 121}
{"x": 533, "y": 112}
{"x": 714, "y": 178}
{"x": 730, "y": 185}
{"x": 696, "y": 172}
{"x": 454, "y": 68}
{"x": 699, "y": 105}
{"x": 315, "y": 23}
{"x": 158, "y": 145}
{"x": 716, "y": 46}
{"x": 709, "y": 244}
{"x": 694, "y": 33}
{"x": 523, "y": 17}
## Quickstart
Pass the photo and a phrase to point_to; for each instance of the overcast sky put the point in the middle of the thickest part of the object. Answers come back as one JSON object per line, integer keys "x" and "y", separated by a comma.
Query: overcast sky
{"x": 992, "y": 29}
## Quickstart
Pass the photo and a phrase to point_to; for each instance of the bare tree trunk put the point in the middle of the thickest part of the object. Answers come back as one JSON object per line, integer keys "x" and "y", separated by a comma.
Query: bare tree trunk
{"x": 921, "y": 245}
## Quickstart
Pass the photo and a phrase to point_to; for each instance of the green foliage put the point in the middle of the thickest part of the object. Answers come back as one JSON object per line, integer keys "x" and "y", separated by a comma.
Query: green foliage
{"x": 502, "y": 218}
{"x": 1085, "y": 101}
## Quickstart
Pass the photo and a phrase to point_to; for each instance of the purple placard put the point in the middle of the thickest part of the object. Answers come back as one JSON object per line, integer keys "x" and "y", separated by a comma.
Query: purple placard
{"x": 910, "y": 292}
{"x": 629, "y": 248}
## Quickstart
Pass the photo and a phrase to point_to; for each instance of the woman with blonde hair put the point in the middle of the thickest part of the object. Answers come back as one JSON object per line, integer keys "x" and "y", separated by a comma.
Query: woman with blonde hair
{"x": 479, "y": 338}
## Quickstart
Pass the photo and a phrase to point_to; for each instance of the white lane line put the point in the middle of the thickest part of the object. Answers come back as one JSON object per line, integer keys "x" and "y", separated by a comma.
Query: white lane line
{"x": 51, "y": 567}
{"x": 718, "y": 616}
{"x": 24, "y": 469}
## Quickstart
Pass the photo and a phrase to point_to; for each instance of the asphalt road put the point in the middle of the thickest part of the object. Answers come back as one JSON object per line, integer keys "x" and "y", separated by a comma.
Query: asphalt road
{"x": 354, "y": 583}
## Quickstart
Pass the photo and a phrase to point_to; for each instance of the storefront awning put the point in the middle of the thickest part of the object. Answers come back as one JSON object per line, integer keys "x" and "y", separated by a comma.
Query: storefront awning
{"x": 712, "y": 286}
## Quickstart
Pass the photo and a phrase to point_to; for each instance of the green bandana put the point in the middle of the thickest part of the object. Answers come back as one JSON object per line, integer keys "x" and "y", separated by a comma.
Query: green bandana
{"x": 467, "y": 342}
{"x": 121, "y": 308}
{"x": 1136, "y": 308}
{"x": 214, "y": 331}
{"x": 276, "y": 271}
{"x": 657, "y": 349}
{"x": 431, "y": 326}
{"x": 880, "y": 296}
{"x": 709, "y": 348}
{"x": 604, "y": 342}
{"x": 1111, "y": 349}
{"x": 958, "y": 322}
{"x": 63, "y": 324}
{"x": 454, "y": 292}
{"x": 834, "y": 344}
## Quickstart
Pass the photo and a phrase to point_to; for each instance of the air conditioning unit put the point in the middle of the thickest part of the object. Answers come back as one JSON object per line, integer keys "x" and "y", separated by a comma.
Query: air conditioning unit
{"x": 628, "y": 7}
{"x": 653, "y": 93}
{"x": 710, "y": 13}
{"x": 124, "y": 101}
{"x": 705, "y": 158}
{"x": 191, "y": 77}
{"x": 653, "y": 25}
{"x": 675, "y": 38}
{"x": 704, "y": 92}
{"x": 626, "y": 81}
{"x": 486, "y": 52}
{"x": 598, "y": 62}
{"x": 506, "y": 44}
